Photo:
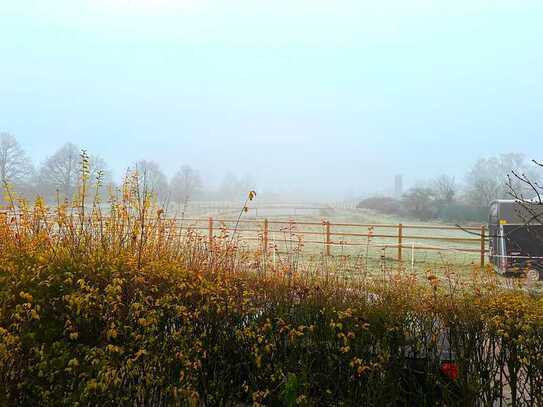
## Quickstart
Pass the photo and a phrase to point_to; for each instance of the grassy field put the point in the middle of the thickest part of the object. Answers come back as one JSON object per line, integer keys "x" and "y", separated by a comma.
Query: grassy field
{"x": 357, "y": 257}
{"x": 288, "y": 236}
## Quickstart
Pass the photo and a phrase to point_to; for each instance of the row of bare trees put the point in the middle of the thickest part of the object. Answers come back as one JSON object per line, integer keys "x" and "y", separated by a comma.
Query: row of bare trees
{"x": 500, "y": 177}
{"x": 58, "y": 176}
{"x": 496, "y": 177}
{"x": 186, "y": 183}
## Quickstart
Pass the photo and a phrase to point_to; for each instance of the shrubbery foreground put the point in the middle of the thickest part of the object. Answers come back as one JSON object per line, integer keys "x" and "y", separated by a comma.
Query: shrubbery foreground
{"x": 125, "y": 308}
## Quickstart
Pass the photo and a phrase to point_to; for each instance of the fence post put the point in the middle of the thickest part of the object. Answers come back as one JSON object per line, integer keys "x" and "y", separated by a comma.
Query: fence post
{"x": 265, "y": 236}
{"x": 400, "y": 241}
{"x": 483, "y": 245}
{"x": 210, "y": 232}
{"x": 328, "y": 239}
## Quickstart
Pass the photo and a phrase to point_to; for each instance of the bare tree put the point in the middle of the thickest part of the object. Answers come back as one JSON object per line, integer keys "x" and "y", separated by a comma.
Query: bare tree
{"x": 99, "y": 172}
{"x": 229, "y": 186}
{"x": 445, "y": 189}
{"x": 97, "y": 165}
{"x": 529, "y": 194}
{"x": 151, "y": 178}
{"x": 246, "y": 183}
{"x": 185, "y": 184}
{"x": 234, "y": 188}
{"x": 526, "y": 240}
{"x": 15, "y": 167}
{"x": 486, "y": 181}
{"x": 419, "y": 202}
{"x": 61, "y": 171}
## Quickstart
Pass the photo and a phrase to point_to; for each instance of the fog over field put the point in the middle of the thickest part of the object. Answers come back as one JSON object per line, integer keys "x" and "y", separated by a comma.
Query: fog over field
{"x": 271, "y": 203}
{"x": 326, "y": 99}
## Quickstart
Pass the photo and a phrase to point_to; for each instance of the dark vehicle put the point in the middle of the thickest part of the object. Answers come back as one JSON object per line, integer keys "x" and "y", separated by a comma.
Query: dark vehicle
{"x": 516, "y": 238}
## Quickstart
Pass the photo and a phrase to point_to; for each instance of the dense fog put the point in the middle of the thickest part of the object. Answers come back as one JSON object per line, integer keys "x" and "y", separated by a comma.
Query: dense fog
{"x": 299, "y": 100}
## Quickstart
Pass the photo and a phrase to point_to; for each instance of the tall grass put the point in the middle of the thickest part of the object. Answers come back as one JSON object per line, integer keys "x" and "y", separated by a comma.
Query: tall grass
{"x": 125, "y": 307}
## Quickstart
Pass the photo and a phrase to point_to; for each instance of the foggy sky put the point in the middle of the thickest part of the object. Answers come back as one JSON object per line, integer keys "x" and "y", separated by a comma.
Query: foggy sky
{"x": 329, "y": 97}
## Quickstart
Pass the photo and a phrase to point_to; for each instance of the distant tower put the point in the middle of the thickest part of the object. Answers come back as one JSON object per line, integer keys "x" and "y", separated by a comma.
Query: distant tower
{"x": 398, "y": 186}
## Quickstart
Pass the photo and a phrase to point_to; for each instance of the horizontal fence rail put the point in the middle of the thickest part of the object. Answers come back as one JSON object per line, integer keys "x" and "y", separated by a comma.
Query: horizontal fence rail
{"x": 469, "y": 240}
{"x": 328, "y": 236}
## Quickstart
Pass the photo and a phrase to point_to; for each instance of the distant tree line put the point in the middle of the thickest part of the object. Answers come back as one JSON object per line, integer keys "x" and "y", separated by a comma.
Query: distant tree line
{"x": 58, "y": 176}
{"x": 444, "y": 198}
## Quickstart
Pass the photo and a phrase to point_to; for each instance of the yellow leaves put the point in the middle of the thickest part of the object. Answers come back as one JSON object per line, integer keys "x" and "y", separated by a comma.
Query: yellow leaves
{"x": 359, "y": 366}
{"x": 111, "y": 333}
{"x": 139, "y": 354}
{"x": 73, "y": 362}
{"x": 360, "y": 370}
{"x": 72, "y": 365}
{"x": 433, "y": 279}
{"x": 149, "y": 321}
{"x": 74, "y": 335}
{"x": 26, "y": 296}
{"x": 83, "y": 285}
{"x": 259, "y": 396}
{"x": 336, "y": 325}
{"x": 92, "y": 386}
{"x": 296, "y": 333}
{"x": 34, "y": 314}
{"x": 348, "y": 313}
{"x": 136, "y": 307}
{"x": 114, "y": 349}
{"x": 267, "y": 327}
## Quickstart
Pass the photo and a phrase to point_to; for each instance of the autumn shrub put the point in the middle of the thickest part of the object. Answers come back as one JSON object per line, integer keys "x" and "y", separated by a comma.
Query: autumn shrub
{"x": 125, "y": 306}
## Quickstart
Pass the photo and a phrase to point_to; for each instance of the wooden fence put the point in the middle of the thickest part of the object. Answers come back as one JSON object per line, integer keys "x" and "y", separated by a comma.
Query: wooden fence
{"x": 328, "y": 236}
{"x": 398, "y": 237}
